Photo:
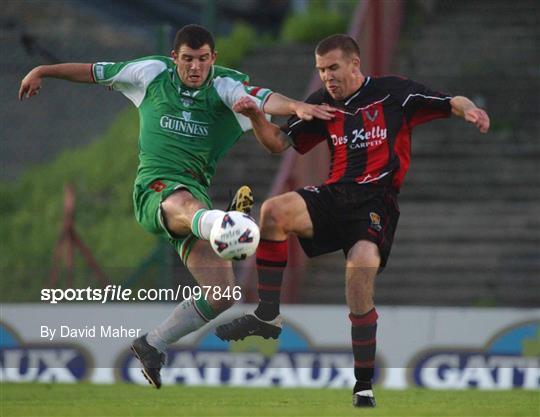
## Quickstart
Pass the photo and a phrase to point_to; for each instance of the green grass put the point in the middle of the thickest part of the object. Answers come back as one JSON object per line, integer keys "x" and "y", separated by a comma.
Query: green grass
{"x": 130, "y": 400}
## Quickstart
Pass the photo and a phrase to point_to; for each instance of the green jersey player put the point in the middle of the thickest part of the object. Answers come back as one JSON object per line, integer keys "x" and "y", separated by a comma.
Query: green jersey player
{"x": 186, "y": 125}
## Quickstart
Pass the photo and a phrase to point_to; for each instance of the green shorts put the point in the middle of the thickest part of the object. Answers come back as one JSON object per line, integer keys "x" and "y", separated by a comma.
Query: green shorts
{"x": 147, "y": 202}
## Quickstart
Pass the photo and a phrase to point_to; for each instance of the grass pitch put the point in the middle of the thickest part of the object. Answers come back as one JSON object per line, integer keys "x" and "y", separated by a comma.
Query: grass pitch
{"x": 131, "y": 400}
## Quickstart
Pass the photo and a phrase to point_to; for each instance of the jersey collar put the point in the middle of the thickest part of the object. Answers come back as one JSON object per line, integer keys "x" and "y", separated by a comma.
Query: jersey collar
{"x": 355, "y": 94}
{"x": 175, "y": 78}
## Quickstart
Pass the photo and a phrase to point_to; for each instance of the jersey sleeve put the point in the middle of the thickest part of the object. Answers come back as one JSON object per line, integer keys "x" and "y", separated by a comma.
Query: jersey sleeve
{"x": 420, "y": 104}
{"x": 131, "y": 78}
{"x": 304, "y": 135}
{"x": 231, "y": 90}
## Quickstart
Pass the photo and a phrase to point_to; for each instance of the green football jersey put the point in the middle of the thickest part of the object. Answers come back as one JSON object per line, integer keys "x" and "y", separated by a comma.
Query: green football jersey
{"x": 183, "y": 131}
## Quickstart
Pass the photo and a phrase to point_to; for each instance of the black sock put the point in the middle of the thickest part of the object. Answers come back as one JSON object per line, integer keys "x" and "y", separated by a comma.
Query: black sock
{"x": 267, "y": 310}
{"x": 362, "y": 386}
{"x": 271, "y": 262}
{"x": 364, "y": 333}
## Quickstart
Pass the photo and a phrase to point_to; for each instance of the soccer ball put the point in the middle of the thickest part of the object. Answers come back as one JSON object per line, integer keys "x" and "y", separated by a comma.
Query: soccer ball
{"x": 234, "y": 236}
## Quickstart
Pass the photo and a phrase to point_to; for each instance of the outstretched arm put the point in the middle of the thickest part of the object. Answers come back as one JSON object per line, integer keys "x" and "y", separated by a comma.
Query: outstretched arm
{"x": 279, "y": 105}
{"x": 268, "y": 134}
{"x": 31, "y": 84}
{"x": 463, "y": 107}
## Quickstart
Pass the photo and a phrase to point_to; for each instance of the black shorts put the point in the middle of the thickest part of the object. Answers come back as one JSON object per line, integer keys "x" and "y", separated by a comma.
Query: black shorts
{"x": 343, "y": 214}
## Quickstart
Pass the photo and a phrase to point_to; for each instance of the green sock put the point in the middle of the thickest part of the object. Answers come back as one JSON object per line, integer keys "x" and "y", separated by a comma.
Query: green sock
{"x": 205, "y": 309}
{"x": 202, "y": 222}
{"x": 196, "y": 223}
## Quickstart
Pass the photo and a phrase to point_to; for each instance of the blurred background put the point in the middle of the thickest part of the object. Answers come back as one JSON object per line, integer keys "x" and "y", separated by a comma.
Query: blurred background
{"x": 469, "y": 231}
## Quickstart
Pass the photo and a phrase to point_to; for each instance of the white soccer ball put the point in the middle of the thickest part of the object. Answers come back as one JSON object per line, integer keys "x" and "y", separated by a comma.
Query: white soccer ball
{"x": 235, "y": 235}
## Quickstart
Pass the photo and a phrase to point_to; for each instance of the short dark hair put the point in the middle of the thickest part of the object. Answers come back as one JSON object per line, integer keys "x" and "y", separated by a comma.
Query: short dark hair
{"x": 195, "y": 37}
{"x": 344, "y": 42}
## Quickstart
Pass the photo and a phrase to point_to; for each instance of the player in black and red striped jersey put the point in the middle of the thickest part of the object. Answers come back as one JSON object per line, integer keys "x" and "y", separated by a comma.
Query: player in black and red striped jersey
{"x": 356, "y": 209}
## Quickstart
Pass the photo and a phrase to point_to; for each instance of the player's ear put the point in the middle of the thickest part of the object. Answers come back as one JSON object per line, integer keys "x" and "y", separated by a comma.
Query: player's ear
{"x": 174, "y": 55}
{"x": 214, "y": 56}
{"x": 356, "y": 62}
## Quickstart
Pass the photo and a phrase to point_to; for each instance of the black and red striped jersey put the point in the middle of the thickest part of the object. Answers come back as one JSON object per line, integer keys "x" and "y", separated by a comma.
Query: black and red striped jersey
{"x": 370, "y": 136}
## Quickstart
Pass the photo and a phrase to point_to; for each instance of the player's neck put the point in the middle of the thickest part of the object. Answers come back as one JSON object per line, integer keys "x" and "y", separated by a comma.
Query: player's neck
{"x": 355, "y": 85}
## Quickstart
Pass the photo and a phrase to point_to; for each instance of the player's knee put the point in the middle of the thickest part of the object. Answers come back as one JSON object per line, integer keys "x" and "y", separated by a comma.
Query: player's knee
{"x": 364, "y": 254}
{"x": 272, "y": 215}
{"x": 179, "y": 204}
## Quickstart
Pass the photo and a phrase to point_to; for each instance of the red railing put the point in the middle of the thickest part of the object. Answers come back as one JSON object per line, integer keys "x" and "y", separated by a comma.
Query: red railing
{"x": 68, "y": 242}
